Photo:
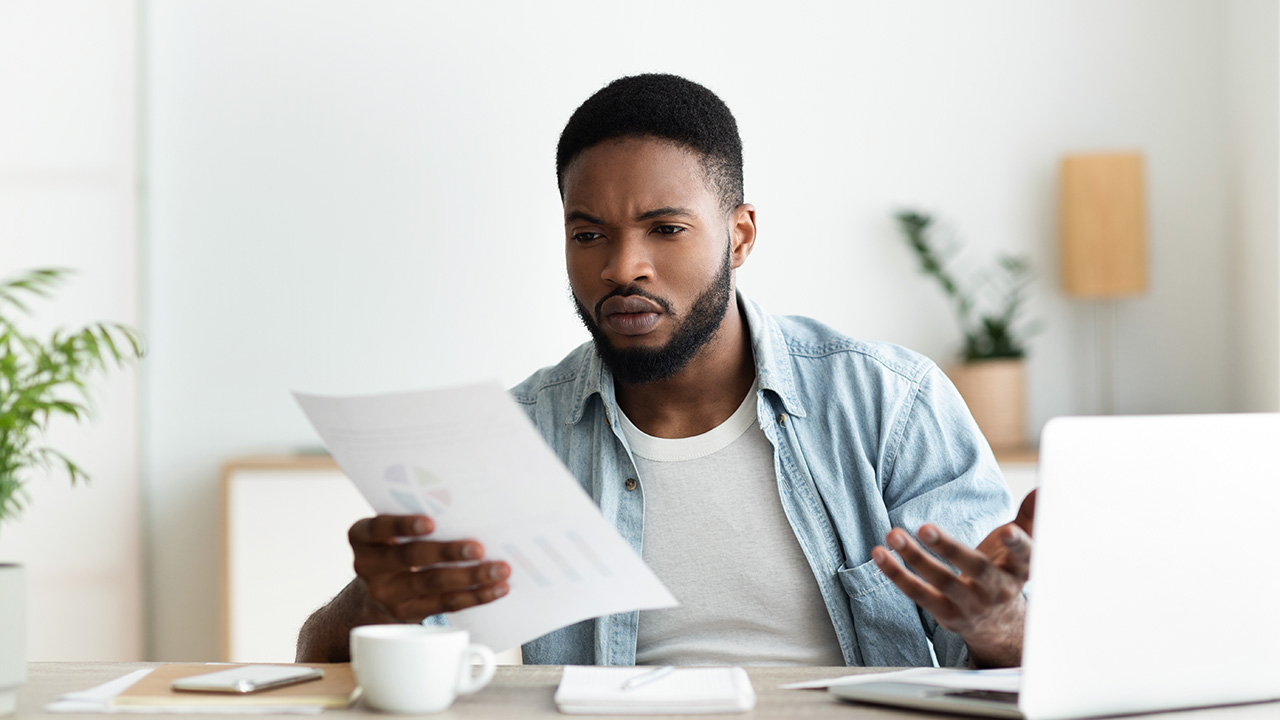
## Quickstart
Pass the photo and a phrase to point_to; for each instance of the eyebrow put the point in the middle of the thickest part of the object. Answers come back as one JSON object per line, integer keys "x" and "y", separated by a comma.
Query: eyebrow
{"x": 664, "y": 212}
{"x": 579, "y": 215}
{"x": 647, "y": 215}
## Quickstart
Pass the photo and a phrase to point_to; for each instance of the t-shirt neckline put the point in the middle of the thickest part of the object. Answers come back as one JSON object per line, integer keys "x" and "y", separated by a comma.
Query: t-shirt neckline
{"x": 699, "y": 446}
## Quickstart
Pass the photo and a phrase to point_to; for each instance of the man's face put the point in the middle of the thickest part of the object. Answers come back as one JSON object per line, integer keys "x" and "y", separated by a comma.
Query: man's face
{"x": 650, "y": 255}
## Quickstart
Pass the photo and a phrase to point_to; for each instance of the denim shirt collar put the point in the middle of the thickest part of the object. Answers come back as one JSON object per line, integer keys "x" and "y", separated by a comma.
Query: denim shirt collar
{"x": 773, "y": 369}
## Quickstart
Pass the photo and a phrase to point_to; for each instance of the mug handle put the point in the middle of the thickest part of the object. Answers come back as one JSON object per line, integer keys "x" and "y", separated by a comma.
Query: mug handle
{"x": 468, "y": 683}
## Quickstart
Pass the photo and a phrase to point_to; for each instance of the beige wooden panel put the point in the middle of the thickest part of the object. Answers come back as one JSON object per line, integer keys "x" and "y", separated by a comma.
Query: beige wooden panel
{"x": 1103, "y": 225}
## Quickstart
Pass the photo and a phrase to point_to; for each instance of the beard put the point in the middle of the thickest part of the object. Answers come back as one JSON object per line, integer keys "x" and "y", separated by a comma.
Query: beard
{"x": 640, "y": 366}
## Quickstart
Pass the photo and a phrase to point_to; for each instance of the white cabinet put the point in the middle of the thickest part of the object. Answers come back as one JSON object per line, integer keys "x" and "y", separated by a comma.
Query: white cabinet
{"x": 1020, "y": 468}
{"x": 285, "y": 550}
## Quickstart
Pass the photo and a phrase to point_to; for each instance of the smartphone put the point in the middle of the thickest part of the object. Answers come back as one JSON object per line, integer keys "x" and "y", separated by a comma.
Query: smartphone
{"x": 247, "y": 678}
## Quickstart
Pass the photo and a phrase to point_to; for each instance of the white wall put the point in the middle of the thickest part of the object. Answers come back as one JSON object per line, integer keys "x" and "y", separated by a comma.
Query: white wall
{"x": 68, "y": 197}
{"x": 1253, "y": 157}
{"x": 354, "y": 197}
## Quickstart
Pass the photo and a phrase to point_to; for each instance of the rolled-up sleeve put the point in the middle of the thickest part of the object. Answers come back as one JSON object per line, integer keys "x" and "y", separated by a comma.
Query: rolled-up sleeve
{"x": 943, "y": 472}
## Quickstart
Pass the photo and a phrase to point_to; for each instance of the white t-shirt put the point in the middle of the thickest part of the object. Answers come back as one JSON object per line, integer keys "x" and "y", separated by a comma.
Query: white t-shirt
{"x": 716, "y": 534}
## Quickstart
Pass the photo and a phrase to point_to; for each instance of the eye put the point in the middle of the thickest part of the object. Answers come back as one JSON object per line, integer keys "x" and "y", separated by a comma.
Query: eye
{"x": 583, "y": 238}
{"x": 668, "y": 229}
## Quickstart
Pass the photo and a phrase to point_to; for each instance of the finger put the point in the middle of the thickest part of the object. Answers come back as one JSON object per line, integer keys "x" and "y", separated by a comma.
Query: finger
{"x": 374, "y": 560}
{"x": 1027, "y": 513}
{"x": 925, "y": 565}
{"x": 920, "y": 592}
{"x": 441, "y": 581}
{"x": 970, "y": 562}
{"x": 424, "y": 553}
{"x": 453, "y": 602}
{"x": 1017, "y": 558}
{"x": 386, "y": 528}
{"x": 435, "y": 582}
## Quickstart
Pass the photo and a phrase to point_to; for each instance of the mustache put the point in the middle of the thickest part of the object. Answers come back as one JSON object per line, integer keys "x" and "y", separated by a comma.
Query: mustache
{"x": 628, "y": 291}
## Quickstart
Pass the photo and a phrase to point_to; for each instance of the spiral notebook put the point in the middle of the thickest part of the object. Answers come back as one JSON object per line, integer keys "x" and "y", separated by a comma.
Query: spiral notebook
{"x": 586, "y": 690}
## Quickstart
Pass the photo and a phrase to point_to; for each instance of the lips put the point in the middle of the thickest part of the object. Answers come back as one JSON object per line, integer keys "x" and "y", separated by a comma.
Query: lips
{"x": 630, "y": 315}
{"x": 629, "y": 304}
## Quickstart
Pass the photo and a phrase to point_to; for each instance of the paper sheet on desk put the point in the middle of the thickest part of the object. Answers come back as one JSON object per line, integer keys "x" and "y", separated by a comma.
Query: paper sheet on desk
{"x": 98, "y": 700}
{"x": 685, "y": 691}
{"x": 470, "y": 459}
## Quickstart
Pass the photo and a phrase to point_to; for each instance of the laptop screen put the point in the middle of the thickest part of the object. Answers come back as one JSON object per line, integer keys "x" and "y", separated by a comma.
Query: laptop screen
{"x": 1153, "y": 579}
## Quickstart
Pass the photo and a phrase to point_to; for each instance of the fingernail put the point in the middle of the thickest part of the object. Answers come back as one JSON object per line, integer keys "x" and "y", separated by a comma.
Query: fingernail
{"x": 895, "y": 541}
{"x": 470, "y": 552}
{"x": 1012, "y": 539}
{"x": 500, "y": 591}
{"x": 929, "y": 534}
{"x": 421, "y": 526}
{"x": 494, "y": 572}
{"x": 878, "y": 556}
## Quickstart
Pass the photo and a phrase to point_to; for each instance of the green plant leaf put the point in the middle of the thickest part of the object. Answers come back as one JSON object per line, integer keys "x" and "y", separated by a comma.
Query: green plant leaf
{"x": 995, "y": 295}
{"x": 43, "y": 377}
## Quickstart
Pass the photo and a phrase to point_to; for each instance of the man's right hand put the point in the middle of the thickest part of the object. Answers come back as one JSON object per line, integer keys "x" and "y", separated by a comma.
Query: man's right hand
{"x": 407, "y": 578}
{"x": 400, "y": 577}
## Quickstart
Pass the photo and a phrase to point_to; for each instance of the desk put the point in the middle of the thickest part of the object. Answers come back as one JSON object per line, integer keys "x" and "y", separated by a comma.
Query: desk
{"x": 526, "y": 692}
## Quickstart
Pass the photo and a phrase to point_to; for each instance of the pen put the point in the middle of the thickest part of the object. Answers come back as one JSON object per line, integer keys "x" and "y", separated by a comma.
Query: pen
{"x": 646, "y": 678}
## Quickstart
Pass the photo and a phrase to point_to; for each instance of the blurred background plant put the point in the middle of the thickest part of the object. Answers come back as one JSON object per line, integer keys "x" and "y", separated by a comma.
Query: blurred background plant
{"x": 43, "y": 378}
{"x": 988, "y": 308}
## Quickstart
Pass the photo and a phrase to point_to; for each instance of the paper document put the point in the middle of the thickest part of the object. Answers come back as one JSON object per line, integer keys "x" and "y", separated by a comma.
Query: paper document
{"x": 602, "y": 691}
{"x": 470, "y": 459}
{"x": 98, "y": 700}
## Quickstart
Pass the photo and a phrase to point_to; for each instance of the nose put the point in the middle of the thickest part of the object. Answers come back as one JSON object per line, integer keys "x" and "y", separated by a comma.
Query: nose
{"x": 628, "y": 262}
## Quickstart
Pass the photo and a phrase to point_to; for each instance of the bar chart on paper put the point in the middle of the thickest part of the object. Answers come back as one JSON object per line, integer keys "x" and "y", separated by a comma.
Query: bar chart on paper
{"x": 550, "y": 559}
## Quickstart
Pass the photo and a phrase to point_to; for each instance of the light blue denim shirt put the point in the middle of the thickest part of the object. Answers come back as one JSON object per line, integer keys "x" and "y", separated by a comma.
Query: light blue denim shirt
{"x": 866, "y": 437}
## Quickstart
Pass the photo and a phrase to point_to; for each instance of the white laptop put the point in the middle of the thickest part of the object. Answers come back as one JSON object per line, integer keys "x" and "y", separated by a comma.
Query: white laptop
{"x": 1155, "y": 576}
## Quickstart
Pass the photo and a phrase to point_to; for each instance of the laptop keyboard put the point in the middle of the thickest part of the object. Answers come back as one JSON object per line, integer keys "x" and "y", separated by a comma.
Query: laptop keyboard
{"x": 1010, "y": 698}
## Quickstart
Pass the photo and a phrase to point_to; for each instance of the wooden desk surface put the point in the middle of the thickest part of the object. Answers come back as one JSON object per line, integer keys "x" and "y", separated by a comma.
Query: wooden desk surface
{"x": 526, "y": 692}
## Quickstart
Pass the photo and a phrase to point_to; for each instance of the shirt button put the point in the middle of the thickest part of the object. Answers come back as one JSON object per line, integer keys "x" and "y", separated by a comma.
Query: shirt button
{"x": 782, "y": 419}
{"x": 630, "y": 484}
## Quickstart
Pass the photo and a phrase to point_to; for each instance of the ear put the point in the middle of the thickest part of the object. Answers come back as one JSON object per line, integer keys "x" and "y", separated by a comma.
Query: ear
{"x": 742, "y": 233}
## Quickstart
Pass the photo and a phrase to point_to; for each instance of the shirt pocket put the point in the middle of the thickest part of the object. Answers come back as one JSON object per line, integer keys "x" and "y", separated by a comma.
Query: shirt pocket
{"x": 887, "y": 622}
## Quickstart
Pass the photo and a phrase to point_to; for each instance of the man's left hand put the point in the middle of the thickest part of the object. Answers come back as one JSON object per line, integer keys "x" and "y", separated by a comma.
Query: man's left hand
{"x": 984, "y": 603}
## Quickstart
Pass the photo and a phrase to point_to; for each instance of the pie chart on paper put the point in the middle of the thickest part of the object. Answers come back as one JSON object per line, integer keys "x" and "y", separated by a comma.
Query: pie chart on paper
{"x": 436, "y": 497}
{"x": 429, "y": 498}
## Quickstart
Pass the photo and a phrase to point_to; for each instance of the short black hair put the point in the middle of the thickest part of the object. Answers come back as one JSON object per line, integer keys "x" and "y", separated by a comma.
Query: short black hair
{"x": 668, "y": 107}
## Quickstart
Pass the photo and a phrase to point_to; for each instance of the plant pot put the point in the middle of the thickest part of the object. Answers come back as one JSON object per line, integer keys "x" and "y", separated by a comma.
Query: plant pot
{"x": 13, "y": 635}
{"x": 996, "y": 393}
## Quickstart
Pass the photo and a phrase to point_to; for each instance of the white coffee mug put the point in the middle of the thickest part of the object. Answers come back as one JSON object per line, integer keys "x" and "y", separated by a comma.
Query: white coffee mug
{"x": 416, "y": 669}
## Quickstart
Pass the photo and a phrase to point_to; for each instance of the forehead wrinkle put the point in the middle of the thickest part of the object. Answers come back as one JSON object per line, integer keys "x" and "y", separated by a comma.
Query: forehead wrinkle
{"x": 600, "y": 183}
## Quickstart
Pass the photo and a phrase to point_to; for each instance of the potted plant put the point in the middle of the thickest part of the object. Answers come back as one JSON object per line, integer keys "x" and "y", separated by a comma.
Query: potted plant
{"x": 991, "y": 375}
{"x": 40, "y": 379}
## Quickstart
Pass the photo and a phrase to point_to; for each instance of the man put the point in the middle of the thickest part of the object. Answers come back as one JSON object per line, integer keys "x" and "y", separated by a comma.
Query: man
{"x": 755, "y": 461}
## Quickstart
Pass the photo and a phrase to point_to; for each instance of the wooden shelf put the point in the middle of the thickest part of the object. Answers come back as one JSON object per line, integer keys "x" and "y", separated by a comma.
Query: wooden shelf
{"x": 279, "y": 462}
{"x": 1028, "y": 455}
